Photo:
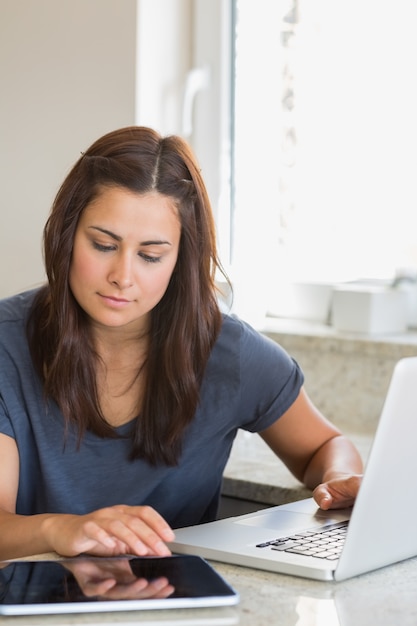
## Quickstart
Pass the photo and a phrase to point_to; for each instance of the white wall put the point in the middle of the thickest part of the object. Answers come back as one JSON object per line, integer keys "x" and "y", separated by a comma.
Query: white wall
{"x": 164, "y": 57}
{"x": 67, "y": 76}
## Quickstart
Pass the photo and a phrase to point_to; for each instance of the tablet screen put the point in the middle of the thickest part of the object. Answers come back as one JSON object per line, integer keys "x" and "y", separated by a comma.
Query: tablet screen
{"x": 88, "y": 584}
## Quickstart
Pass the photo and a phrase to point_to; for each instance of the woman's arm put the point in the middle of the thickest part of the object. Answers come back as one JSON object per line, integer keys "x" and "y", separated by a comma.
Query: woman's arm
{"x": 107, "y": 532}
{"x": 317, "y": 453}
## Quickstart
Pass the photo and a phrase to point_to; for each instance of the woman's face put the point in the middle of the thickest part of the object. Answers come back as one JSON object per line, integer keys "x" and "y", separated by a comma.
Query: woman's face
{"x": 125, "y": 250}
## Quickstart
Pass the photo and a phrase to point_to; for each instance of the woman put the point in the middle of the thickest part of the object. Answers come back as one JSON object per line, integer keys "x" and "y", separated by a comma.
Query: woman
{"x": 122, "y": 385}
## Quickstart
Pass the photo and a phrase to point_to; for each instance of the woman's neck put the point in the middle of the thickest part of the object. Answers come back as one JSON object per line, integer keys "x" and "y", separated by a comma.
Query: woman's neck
{"x": 120, "y": 375}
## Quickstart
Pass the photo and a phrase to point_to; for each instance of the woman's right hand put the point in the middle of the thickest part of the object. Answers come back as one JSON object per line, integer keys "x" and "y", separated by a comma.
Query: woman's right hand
{"x": 111, "y": 531}
{"x": 121, "y": 529}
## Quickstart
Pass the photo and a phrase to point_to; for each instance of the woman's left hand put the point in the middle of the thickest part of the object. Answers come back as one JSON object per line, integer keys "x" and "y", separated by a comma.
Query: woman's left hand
{"x": 338, "y": 493}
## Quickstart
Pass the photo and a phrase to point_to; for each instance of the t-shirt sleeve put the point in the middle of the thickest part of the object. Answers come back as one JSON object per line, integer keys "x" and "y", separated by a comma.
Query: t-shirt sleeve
{"x": 270, "y": 380}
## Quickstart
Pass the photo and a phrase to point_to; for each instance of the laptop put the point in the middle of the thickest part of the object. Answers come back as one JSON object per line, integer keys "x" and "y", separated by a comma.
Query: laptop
{"x": 378, "y": 531}
{"x": 80, "y": 585}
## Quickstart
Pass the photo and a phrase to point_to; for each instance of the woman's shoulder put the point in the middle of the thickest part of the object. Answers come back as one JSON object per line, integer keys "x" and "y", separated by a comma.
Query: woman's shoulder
{"x": 254, "y": 370}
{"x": 15, "y": 308}
{"x": 14, "y": 349}
{"x": 232, "y": 331}
{"x": 238, "y": 336}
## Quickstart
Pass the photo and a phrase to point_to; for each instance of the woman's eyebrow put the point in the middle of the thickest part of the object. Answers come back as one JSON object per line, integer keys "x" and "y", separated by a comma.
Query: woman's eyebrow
{"x": 107, "y": 232}
{"x": 150, "y": 242}
{"x": 155, "y": 242}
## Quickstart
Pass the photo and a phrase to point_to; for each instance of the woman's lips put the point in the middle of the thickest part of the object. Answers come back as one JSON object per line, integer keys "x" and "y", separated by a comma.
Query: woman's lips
{"x": 113, "y": 301}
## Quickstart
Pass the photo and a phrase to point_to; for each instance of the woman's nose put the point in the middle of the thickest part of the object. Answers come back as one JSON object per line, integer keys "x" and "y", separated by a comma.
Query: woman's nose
{"x": 121, "y": 273}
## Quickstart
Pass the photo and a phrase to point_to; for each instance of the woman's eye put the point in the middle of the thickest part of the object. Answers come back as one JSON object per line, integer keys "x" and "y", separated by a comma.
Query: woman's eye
{"x": 149, "y": 259}
{"x": 101, "y": 247}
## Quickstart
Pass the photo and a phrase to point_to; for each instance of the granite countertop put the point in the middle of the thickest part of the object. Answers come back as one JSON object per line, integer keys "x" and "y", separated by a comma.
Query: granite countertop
{"x": 384, "y": 597}
{"x": 386, "y": 343}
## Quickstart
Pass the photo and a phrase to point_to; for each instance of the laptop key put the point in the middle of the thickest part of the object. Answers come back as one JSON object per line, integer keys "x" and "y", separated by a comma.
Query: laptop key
{"x": 284, "y": 546}
{"x": 323, "y": 555}
{"x": 303, "y": 550}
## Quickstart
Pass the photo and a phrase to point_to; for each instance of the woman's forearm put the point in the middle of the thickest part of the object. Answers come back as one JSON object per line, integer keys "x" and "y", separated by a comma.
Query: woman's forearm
{"x": 335, "y": 458}
{"x": 22, "y": 535}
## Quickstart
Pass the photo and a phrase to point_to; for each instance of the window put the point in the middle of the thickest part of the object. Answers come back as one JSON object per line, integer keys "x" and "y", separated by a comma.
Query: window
{"x": 324, "y": 142}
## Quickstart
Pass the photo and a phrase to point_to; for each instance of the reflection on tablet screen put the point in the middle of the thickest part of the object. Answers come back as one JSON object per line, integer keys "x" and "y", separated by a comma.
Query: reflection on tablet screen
{"x": 98, "y": 584}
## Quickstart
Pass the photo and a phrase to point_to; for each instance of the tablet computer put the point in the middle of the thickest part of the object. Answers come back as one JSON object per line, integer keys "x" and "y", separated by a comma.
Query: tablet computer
{"x": 90, "y": 584}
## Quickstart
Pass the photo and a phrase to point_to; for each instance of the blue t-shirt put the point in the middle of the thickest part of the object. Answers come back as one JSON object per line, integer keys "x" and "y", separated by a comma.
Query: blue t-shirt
{"x": 249, "y": 383}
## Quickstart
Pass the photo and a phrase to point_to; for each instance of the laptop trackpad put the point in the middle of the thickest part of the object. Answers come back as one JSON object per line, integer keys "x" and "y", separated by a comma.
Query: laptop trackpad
{"x": 282, "y": 520}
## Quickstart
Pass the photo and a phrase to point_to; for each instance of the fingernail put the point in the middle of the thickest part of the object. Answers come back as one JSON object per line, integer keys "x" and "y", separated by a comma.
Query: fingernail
{"x": 162, "y": 549}
{"x": 168, "y": 534}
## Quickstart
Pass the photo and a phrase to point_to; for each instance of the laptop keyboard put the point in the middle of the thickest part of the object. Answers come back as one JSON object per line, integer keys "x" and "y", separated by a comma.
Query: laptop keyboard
{"x": 324, "y": 543}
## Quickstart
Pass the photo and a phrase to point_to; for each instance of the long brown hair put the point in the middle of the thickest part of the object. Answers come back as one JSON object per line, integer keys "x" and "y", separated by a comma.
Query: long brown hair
{"x": 184, "y": 324}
